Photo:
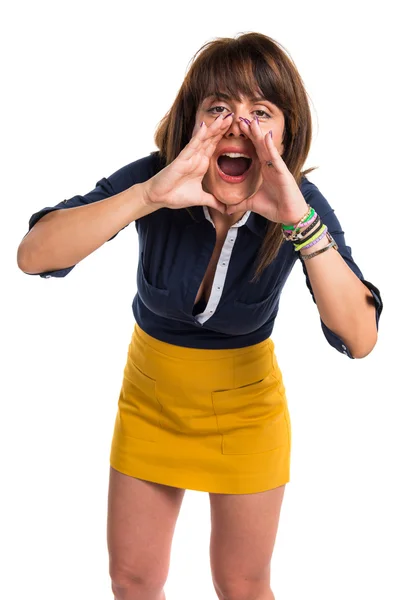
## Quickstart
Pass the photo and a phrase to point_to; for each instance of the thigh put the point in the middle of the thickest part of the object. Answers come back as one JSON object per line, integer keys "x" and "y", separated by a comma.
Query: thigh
{"x": 243, "y": 533}
{"x": 140, "y": 527}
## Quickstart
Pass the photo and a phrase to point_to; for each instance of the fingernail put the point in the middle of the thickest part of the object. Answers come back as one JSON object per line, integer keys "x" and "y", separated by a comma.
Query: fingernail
{"x": 229, "y": 115}
{"x": 257, "y": 120}
{"x": 201, "y": 124}
{"x": 247, "y": 121}
{"x": 270, "y": 133}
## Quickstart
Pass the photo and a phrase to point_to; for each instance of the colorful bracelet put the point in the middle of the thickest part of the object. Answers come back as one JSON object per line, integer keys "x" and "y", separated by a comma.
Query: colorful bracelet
{"x": 308, "y": 214}
{"x": 308, "y": 232}
{"x": 296, "y": 237}
{"x": 332, "y": 244}
{"x": 309, "y": 220}
{"x": 317, "y": 236}
{"x": 313, "y": 237}
{"x": 299, "y": 236}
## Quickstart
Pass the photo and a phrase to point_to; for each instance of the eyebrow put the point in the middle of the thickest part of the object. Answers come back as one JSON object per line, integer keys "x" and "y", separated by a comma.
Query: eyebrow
{"x": 220, "y": 95}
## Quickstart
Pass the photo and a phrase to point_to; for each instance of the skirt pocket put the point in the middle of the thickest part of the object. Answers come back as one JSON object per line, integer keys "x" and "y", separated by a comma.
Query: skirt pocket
{"x": 139, "y": 409}
{"x": 252, "y": 418}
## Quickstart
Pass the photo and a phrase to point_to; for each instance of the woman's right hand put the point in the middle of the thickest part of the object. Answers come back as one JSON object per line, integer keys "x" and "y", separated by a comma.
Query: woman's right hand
{"x": 178, "y": 185}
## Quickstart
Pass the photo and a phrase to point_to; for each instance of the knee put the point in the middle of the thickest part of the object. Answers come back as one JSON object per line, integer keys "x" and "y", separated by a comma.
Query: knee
{"x": 126, "y": 586}
{"x": 241, "y": 588}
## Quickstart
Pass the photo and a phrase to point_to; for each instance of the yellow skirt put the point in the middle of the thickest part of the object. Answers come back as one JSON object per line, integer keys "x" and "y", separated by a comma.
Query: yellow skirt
{"x": 205, "y": 420}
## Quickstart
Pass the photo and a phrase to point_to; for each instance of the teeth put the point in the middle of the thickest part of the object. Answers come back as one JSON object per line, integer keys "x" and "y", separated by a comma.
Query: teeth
{"x": 235, "y": 155}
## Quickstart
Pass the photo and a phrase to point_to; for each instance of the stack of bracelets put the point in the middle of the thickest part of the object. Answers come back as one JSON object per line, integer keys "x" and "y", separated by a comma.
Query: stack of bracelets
{"x": 308, "y": 231}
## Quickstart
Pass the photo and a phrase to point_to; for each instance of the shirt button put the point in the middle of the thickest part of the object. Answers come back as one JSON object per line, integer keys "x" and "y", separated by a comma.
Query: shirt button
{"x": 231, "y": 239}
{"x": 223, "y": 264}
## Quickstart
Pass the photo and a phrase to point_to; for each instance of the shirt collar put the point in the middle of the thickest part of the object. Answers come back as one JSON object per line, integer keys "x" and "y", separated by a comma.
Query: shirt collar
{"x": 255, "y": 222}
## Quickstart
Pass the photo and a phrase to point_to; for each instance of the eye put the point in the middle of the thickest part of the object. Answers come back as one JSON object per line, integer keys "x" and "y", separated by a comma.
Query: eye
{"x": 214, "y": 110}
{"x": 265, "y": 115}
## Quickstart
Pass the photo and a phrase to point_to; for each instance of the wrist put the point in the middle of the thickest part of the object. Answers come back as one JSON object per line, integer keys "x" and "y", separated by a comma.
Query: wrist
{"x": 297, "y": 216}
{"x": 143, "y": 193}
{"x": 317, "y": 246}
{"x": 142, "y": 199}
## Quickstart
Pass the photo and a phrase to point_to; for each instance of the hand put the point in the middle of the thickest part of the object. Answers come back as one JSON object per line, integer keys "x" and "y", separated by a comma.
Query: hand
{"x": 179, "y": 184}
{"x": 279, "y": 199}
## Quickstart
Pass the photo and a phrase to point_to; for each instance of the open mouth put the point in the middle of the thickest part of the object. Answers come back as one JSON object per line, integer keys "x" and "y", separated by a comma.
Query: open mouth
{"x": 233, "y": 166}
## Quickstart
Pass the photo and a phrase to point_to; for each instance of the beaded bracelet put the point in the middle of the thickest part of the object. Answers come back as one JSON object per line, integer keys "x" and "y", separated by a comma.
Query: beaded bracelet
{"x": 300, "y": 236}
{"x": 310, "y": 236}
{"x": 308, "y": 232}
{"x": 298, "y": 231}
{"x": 292, "y": 228}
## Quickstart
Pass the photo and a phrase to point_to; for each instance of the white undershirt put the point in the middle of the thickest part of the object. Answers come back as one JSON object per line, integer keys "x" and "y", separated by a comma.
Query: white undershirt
{"x": 222, "y": 266}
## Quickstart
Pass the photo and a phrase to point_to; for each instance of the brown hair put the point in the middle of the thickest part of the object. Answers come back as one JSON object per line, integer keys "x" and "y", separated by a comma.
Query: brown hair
{"x": 252, "y": 62}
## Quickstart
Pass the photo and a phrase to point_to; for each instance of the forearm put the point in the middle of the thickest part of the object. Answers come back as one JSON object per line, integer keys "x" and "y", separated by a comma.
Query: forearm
{"x": 345, "y": 304}
{"x": 64, "y": 237}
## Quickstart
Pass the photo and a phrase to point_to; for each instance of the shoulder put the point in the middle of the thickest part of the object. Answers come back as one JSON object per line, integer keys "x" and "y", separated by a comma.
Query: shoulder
{"x": 314, "y": 196}
{"x": 307, "y": 187}
{"x": 146, "y": 167}
{"x": 138, "y": 171}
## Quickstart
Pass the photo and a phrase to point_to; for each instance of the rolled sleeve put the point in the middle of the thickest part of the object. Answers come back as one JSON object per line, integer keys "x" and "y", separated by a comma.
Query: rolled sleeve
{"x": 105, "y": 188}
{"x": 316, "y": 199}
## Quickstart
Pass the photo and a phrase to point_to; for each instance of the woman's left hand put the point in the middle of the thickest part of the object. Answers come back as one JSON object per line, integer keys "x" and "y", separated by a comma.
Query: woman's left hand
{"x": 279, "y": 199}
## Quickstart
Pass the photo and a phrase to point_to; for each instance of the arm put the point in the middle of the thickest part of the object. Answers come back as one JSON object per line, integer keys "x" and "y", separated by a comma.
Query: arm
{"x": 345, "y": 304}
{"x": 349, "y": 306}
{"x": 61, "y": 236}
{"x": 64, "y": 237}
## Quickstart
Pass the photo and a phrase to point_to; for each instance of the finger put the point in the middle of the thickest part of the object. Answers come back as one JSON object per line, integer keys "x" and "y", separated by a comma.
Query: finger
{"x": 196, "y": 142}
{"x": 264, "y": 145}
{"x": 207, "y": 137}
{"x": 203, "y": 135}
{"x": 215, "y": 132}
{"x": 242, "y": 206}
{"x": 274, "y": 155}
{"x": 256, "y": 135}
{"x": 209, "y": 200}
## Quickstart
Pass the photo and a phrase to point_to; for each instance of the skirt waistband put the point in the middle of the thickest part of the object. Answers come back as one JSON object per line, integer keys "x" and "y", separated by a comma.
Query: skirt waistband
{"x": 198, "y": 353}
{"x": 200, "y": 368}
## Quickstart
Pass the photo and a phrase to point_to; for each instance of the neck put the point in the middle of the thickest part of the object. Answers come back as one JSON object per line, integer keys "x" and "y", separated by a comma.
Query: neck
{"x": 223, "y": 220}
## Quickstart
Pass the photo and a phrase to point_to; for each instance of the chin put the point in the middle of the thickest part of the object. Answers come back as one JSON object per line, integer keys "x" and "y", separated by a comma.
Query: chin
{"x": 232, "y": 197}
{"x": 227, "y": 196}
{"x": 230, "y": 193}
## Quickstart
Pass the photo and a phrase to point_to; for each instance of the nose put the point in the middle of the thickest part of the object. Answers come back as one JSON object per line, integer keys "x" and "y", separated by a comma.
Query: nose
{"x": 234, "y": 129}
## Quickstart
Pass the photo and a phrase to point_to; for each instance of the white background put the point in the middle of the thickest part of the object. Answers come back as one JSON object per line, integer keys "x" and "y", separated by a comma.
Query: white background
{"x": 85, "y": 86}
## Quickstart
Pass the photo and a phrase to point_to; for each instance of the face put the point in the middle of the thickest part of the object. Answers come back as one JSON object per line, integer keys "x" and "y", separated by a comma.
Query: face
{"x": 235, "y": 140}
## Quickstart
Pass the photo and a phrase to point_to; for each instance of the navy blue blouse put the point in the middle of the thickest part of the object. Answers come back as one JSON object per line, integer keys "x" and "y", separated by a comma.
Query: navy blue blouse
{"x": 174, "y": 253}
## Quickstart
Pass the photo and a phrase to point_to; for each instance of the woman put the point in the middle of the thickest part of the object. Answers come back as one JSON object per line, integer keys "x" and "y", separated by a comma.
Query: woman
{"x": 222, "y": 211}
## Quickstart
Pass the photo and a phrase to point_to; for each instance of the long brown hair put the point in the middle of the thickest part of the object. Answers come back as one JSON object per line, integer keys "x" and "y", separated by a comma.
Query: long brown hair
{"x": 239, "y": 66}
